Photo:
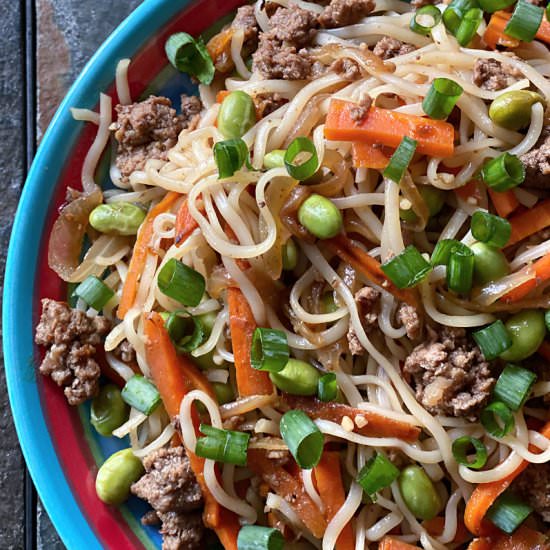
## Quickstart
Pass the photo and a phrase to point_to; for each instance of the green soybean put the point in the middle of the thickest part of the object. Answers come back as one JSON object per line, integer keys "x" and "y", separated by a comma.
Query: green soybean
{"x": 320, "y": 217}
{"x": 224, "y": 392}
{"x": 275, "y": 159}
{"x": 206, "y": 361}
{"x": 116, "y": 476}
{"x": 434, "y": 199}
{"x": 237, "y": 115}
{"x": 119, "y": 218}
{"x": 109, "y": 411}
{"x": 512, "y": 110}
{"x": 297, "y": 378}
{"x": 527, "y": 330}
{"x": 419, "y": 493}
{"x": 490, "y": 263}
{"x": 290, "y": 255}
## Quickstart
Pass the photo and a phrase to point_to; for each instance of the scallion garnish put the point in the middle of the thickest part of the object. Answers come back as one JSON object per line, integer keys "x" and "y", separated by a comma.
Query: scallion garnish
{"x": 190, "y": 56}
{"x": 514, "y": 386}
{"x": 181, "y": 283}
{"x": 525, "y": 21}
{"x": 328, "y": 387}
{"x": 141, "y": 394}
{"x": 303, "y": 171}
{"x": 461, "y": 448}
{"x": 441, "y": 98}
{"x": 407, "y": 268}
{"x": 468, "y": 26}
{"x": 377, "y": 474}
{"x": 490, "y": 229}
{"x": 187, "y": 333}
{"x": 269, "y": 351}
{"x": 255, "y": 537}
{"x": 94, "y": 292}
{"x": 424, "y": 14}
{"x": 443, "y": 249}
{"x": 497, "y": 419}
{"x": 490, "y": 6}
{"x": 224, "y": 446}
{"x": 493, "y": 340}
{"x": 460, "y": 270}
{"x": 455, "y": 11}
{"x": 508, "y": 512}
{"x": 547, "y": 319}
{"x": 401, "y": 159}
{"x": 303, "y": 438}
{"x": 503, "y": 172}
{"x": 230, "y": 156}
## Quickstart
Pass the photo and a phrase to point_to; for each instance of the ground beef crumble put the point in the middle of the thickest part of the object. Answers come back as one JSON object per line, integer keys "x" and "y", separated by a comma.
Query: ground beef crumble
{"x": 72, "y": 339}
{"x": 171, "y": 488}
{"x": 408, "y": 317}
{"x": 388, "y": 47}
{"x": 534, "y": 487}
{"x": 246, "y": 20}
{"x": 491, "y": 74}
{"x": 359, "y": 112}
{"x": 346, "y": 68}
{"x": 449, "y": 374}
{"x": 537, "y": 163}
{"x": 268, "y": 103}
{"x": 368, "y": 304}
{"x": 125, "y": 352}
{"x": 340, "y": 13}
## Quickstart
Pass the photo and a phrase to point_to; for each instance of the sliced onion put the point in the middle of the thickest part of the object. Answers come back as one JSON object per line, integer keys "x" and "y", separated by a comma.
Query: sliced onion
{"x": 494, "y": 290}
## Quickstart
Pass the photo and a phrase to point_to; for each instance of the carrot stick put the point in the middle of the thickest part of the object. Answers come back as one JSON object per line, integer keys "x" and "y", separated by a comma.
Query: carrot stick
{"x": 505, "y": 203}
{"x": 480, "y": 544}
{"x": 523, "y": 539}
{"x": 434, "y": 137}
{"x": 470, "y": 192}
{"x": 289, "y": 488}
{"x": 544, "y": 30}
{"x": 542, "y": 274}
{"x": 494, "y": 34}
{"x": 139, "y": 256}
{"x": 529, "y": 222}
{"x": 436, "y": 527}
{"x": 185, "y": 223}
{"x": 390, "y": 543}
{"x": 377, "y": 425}
{"x": 368, "y": 155}
{"x": 331, "y": 490}
{"x": 249, "y": 381}
{"x": 221, "y": 95}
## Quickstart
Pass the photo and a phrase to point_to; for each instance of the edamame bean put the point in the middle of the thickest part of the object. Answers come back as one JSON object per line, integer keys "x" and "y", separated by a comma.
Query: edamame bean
{"x": 419, "y": 492}
{"x": 275, "y": 159}
{"x": 320, "y": 217}
{"x": 237, "y": 115}
{"x": 116, "y": 476}
{"x": 297, "y": 378}
{"x": 206, "y": 361}
{"x": 512, "y": 110}
{"x": 109, "y": 411}
{"x": 527, "y": 331}
{"x": 119, "y": 218}
{"x": 434, "y": 199}
{"x": 224, "y": 392}
{"x": 490, "y": 263}
{"x": 290, "y": 255}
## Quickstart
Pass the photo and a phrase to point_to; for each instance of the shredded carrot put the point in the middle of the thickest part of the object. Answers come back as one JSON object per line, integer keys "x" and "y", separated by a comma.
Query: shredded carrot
{"x": 529, "y": 222}
{"x": 544, "y": 30}
{"x": 544, "y": 350}
{"x": 290, "y": 488}
{"x": 522, "y": 539}
{"x": 185, "y": 223}
{"x": 331, "y": 490}
{"x": 542, "y": 274}
{"x": 219, "y": 49}
{"x": 221, "y": 95}
{"x": 139, "y": 255}
{"x": 470, "y": 192}
{"x": 494, "y": 34}
{"x": 366, "y": 423}
{"x": 436, "y": 527}
{"x": 391, "y": 543}
{"x": 368, "y": 155}
{"x": 249, "y": 381}
{"x": 505, "y": 203}
{"x": 386, "y": 127}
{"x": 480, "y": 544}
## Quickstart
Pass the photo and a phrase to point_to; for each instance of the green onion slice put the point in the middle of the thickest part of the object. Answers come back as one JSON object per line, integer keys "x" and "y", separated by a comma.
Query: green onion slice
{"x": 307, "y": 168}
{"x": 503, "y": 172}
{"x": 460, "y": 270}
{"x": 255, "y": 537}
{"x": 407, "y": 269}
{"x": 94, "y": 292}
{"x": 455, "y": 11}
{"x": 230, "y": 156}
{"x": 328, "y": 387}
{"x": 190, "y": 56}
{"x": 269, "y": 351}
{"x": 304, "y": 439}
{"x": 224, "y": 446}
{"x": 547, "y": 319}
{"x": 401, "y": 159}
{"x": 181, "y": 283}
{"x": 491, "y": 229}
{"x": 377, "y": 474}
{"x": 462, "y": 445}
{"x": 141, "y": 394}
{"x": 424, "y": 14}
{"x": 468, "y": 26}
{"x": 493, "y": 340}
{"x": 508, "y": 512}
{"x": 514, "y": 386}
{"x": 441, "y": 98}
{"x": 490, "y": 6}
{"x": 525, "y": 21}
{"x": 187, "y": 333}
{"x": 497, "y": 419}
{"x": 443, "y": 249}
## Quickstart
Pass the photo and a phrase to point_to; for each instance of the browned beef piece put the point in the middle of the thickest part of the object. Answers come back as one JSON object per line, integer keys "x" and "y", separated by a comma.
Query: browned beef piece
{"x": 449, "y": 374}
{"x": 171, "y": 488}
{"x": 368, "y": 304}
{"x": 491, "y": 74}
{"x": 72, "y": 338}
{"x": 346, "y": 68}
{"x": 340, "y": 13}
{"x": 388, "y": 47}
{"x": 534, "y": 487}
{"x": 191, "y": 106}
{"x": 267, "y": 103}
{"x": 360, "y": 110}
{"x": 537, "y": 163}
{"x": 417, "y": 4}
{"x": 125, "y": 352}
{"x": 408, "y": 317}
{"x": 246, "y": 20}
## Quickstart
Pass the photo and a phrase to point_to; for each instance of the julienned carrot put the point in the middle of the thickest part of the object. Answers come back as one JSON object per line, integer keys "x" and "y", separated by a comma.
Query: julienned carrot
{"x": 221, "y": 95}
{"x": 185, "y": 223}
{"x": 331, "y": 490}
{"x": 366, "y": 423}
{"x": 505, "y": 203}
{"x": 249, "y": 381}
{"x": 494, "y": 34}
{"x": 544, "y": 30}
{"x": 523, "y": 539}
{"x": 347, "y": 250}
{"x": 470, "y": 192}
{"x": 175, "y": 376}
{"x": 436, "y": 527}
{"x": 386, "y": 127}
{"x": 290, "y": 488}
{"x": 139, "y": 256}
{"x": 368, "y": 155}
{"x": 391, "y": 543}
{"x": 542, "y": 274}
{"x": 529, "y": 222}
{"x": 485, "y": 494}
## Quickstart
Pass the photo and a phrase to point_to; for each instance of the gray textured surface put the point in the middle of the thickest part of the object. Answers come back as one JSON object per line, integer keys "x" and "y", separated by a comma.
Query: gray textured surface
{"x": 67, "y": 33}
